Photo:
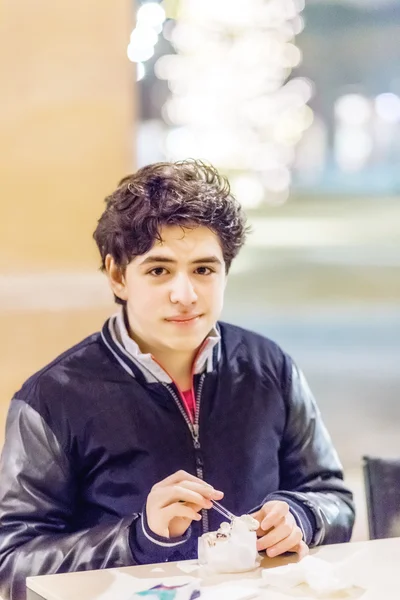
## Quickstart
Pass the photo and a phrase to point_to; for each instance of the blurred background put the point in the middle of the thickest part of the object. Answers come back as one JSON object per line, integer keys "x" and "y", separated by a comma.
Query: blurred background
{"x": 297, "y": 102}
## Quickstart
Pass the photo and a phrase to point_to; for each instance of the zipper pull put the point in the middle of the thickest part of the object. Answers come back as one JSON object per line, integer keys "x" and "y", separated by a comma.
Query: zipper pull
{"x": 195, "y": 429}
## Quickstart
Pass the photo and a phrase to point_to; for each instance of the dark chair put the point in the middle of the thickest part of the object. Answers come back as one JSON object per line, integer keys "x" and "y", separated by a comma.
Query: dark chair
{"x": 382, "y": 489}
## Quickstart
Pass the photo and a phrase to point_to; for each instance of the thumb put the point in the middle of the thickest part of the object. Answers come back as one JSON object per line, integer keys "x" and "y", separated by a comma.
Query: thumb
{"x": 259, "y": 516}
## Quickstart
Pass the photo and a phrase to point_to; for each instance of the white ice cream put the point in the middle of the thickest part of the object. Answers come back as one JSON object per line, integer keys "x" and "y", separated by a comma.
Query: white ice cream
{"x": 231, "y": 549}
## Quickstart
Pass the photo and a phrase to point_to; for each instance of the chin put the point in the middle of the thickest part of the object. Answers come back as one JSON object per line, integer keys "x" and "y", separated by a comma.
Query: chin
{"x": 187, "y": 343}
{"x": 184, "y": 345}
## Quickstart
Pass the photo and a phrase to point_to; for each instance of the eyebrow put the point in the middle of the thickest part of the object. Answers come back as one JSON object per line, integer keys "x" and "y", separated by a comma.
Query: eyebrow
{"x": 163, "y": 259}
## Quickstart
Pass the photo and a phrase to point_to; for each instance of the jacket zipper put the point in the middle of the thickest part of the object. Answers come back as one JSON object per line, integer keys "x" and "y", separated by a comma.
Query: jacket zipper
{"x": 194, "y": 430}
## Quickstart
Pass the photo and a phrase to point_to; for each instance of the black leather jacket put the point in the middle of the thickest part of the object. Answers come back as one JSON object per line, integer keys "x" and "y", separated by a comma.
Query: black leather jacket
{"x": 89, "y": 435}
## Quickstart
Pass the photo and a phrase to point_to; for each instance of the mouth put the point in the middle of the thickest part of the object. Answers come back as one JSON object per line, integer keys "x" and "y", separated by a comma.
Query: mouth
{"x": 183, "y": 320}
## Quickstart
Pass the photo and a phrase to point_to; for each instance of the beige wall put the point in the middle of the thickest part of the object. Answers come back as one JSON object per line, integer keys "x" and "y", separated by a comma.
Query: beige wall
{"x": 66, "y": 138}
{"x": 65, "y": 122}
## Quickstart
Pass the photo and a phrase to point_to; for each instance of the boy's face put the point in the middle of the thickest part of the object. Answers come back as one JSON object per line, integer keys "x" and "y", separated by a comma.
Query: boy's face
{"x": 174, "y": 292}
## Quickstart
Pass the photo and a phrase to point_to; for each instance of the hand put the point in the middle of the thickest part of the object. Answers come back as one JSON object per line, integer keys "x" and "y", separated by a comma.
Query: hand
{"x": 279, "y": 532}
{"x": 175, "y": 502}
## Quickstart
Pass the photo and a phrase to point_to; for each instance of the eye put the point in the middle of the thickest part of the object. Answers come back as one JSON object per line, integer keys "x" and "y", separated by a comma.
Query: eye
{"x": 204, "y": 271}
{"x": 157, "y": 271}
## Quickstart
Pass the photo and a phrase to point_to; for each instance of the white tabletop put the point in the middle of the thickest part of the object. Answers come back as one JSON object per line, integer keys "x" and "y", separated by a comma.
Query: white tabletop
{"x": 376, "y": 567}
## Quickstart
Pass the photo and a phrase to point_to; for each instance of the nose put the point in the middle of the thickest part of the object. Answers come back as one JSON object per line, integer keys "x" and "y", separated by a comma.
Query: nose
{"x": 182, "y": 291}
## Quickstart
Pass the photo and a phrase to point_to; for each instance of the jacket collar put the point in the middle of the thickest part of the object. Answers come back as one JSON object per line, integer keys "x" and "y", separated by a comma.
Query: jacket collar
{"x": 127, "y": 352}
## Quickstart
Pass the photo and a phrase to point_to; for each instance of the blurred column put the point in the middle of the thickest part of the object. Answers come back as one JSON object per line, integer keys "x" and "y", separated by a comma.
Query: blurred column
{"x": 65, "y": 125}
{"x": 66, "y": 138}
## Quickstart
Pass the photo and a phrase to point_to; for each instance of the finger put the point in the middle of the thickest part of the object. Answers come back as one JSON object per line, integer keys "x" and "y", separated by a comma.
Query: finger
{"x": 181, "y": 510}
{"x": 176, "y": 493}
{"x": 262, "y": 532}
{"x": 195, "y": 507}
{"x": 259, "y": 516}
{"x": 286, "y": 545}
{"x": 204, "y": 489}
{"x": 273, "y": 514}
{"x": 275, "y": 535}
{"x": 177, "y": 478}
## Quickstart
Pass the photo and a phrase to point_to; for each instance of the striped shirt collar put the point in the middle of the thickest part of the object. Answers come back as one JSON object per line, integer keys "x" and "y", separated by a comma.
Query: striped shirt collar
{"x": 116, "y": 337}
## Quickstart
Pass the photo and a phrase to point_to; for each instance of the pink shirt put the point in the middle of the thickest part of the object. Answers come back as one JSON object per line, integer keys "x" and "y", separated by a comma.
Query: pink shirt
{"x": 189, "y": 403}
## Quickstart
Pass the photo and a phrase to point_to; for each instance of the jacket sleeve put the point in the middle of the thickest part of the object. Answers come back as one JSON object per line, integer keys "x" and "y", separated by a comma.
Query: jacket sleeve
{"x": 311, "y": 475}
{"x": 38, "y": 498}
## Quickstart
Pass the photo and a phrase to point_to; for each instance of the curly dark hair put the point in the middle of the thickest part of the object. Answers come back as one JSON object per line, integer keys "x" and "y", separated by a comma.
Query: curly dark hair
{"x": 184, "y": 193}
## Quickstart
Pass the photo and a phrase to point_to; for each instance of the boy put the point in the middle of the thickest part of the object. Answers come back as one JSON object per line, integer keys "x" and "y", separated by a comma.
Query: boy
{"x": 115, "y": 451}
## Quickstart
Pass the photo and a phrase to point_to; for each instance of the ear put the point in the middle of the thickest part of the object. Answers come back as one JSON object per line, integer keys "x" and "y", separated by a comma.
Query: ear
{"x": 116, "y": 278}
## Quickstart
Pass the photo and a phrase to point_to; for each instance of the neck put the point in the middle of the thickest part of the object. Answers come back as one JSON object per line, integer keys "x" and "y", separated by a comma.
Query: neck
{"x": 178, "y": 366}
